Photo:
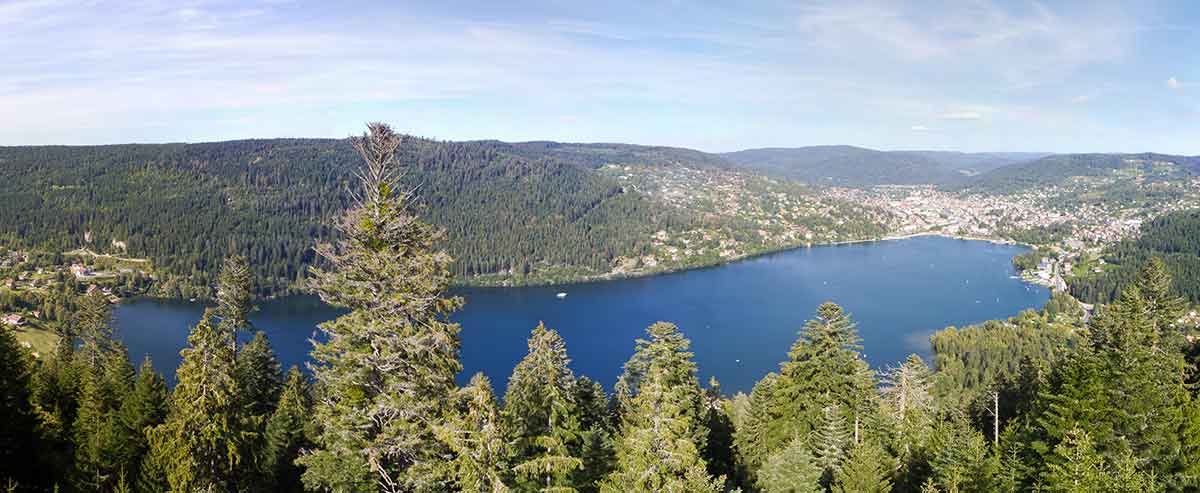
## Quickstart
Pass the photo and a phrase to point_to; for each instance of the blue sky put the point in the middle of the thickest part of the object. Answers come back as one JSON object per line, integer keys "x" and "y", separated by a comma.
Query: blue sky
{"x": 972, "y": 75}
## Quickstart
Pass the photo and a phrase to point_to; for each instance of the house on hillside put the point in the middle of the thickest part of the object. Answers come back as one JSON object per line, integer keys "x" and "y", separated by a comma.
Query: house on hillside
{"x": 80, "y": 270}
{"x": 13, "y": 320}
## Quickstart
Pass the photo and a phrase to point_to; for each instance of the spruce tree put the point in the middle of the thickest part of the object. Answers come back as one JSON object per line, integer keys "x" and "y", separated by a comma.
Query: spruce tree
{"x": 55, "y": 388}
{"x": 258, "y": 376}
{"x": 106, "y": 379}
{"x": 830, "y": 443}
{"x": 474, "y": 433}
{"x": 867, "y": 469}
{"x": 1127, "y": 384}
{"x": 540, "y": 412}
{"x": 93, "y": 324}
{"x": 718, "y": 451}
{"x": 909, "y": 405}
{"x": 596, "y": 434}
{"x": 824, "y": 368}
{"x": 94, "y": 436}
{"x": 235, "y": 292}
{"x": 144, "y": 408}
{"x": 750, "y": 436}
{"x": 199, "y": 446}
{"x": 287, "y": 434}
{"x": 18, "y": 421}
{"x": 961, "y": 458}
{"x": 1080, "y": 468}
{"x": 256, "y": 371}
{"x": 658, "y": 449}
{"x": 387, "y": 368}
{"x": 102, "y": 448}
{"x": 792, "y": 469}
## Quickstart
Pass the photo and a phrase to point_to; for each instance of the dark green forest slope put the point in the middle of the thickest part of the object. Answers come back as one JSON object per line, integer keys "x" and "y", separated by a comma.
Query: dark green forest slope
{"x": 507, "y": 208}
{"x": 1175, "y": 238}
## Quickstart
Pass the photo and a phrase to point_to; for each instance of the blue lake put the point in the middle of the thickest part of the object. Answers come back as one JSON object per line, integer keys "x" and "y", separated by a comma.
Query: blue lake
{"x": 741, "y": 317}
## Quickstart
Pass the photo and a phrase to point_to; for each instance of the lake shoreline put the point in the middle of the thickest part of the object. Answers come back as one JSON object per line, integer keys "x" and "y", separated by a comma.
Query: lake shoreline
{"x": 734, "y": 260}
{"x": 649, "y": 274}
{"x": 740, "y": 317}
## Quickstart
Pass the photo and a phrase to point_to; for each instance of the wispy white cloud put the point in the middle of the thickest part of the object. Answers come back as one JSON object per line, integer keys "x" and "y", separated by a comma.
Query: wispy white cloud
{"x": 715, "y": 75}
{"x": 1173, "y": 83}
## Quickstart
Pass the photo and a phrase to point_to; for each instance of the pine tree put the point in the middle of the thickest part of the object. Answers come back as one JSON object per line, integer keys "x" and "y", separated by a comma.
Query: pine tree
{"x": 540, "y": 412}
{"x": 387, "y": 369}
{"x": 287, "y": 434}
{"x": 867, "y": 469}
{"x": 474, "y": 433}
{"x": 658, "y": 449}
{"x": 792, "y": 469}
{"x": 199, "y": 445}
{"x": 18, "y": 421}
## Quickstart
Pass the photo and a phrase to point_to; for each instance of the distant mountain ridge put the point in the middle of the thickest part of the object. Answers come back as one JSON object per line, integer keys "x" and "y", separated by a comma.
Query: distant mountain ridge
{"x": 1055, "y": 169}
{"x": 850, "y": 166}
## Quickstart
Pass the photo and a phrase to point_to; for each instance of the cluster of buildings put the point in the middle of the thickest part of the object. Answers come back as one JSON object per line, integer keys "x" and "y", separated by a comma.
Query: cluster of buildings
{"x": 741, "y": 214}
{"x": 1084, "y": 221}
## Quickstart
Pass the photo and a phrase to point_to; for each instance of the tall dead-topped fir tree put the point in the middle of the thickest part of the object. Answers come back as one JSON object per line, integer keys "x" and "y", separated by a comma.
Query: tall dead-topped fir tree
{"x": 387, "y": 369}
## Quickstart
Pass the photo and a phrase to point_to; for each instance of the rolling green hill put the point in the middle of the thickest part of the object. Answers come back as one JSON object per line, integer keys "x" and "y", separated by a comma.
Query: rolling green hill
{"x": 1060, "y": 168}
{"x": 849, "y": 166}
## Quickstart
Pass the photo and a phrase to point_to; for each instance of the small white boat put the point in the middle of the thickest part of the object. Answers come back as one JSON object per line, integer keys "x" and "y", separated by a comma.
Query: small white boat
{"x": 561, "y": 295}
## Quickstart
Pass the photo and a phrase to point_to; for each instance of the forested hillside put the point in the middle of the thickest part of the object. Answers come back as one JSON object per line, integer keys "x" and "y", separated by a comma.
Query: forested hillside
{"x": 529, "y": 212}
{"x": 1060, "y": 168}
{"x": 1175, "y": 238}
{"x": 849, "y": 166}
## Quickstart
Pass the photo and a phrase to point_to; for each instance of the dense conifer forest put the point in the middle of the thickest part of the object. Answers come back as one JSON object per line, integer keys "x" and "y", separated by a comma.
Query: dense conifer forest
{"x": 508, "y": 207}
{"x": 1046, "y": 401}
{"x": 1174, "y": 238}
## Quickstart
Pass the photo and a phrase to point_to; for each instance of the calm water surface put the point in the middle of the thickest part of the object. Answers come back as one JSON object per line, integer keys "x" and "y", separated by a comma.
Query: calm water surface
{"x": 741, "y": 317}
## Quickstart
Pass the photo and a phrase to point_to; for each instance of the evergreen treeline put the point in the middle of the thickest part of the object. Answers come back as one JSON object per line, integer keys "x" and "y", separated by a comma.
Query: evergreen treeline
{"x": 1104, "y": 406}
{"x": 1174, "y": 238}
